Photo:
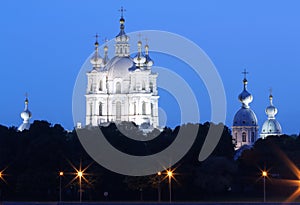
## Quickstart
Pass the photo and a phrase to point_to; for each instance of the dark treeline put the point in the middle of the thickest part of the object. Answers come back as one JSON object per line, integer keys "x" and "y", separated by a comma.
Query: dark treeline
{"x": 32, "y": 160}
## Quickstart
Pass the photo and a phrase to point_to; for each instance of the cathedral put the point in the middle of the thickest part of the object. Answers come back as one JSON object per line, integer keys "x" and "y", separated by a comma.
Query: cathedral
{"x": 245, "y": 124}
{"x": 122, "y": 88}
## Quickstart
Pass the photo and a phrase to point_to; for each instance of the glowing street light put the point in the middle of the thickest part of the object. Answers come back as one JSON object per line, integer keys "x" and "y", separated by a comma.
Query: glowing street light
{"x": 264, "y": 175}
{"x": 158, "y": 187}
{"x": 170, "y": 175}
{"x": 79, "y": 175}
{"x": 61, "y": 174}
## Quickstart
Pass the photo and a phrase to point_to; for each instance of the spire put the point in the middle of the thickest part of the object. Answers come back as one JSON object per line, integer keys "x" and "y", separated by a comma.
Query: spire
{"x": 139, "y": 59}
{"x": 105, "y": 58}
{"x": 245, "y": 81}
{"x": 96, "y": 60}
{"x": 149, "y": 61}
{"x": 26, "y": 101}
{"x": 271, "y": 97}
{"x": 122, "y": 22}
{"x": 122, "y": 46}
{"x": 25, "y": 115}
{"x": 271, "y": 110}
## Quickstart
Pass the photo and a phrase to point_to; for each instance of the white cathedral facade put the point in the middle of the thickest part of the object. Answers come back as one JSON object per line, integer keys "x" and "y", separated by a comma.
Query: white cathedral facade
{"x": 122, "y": 88}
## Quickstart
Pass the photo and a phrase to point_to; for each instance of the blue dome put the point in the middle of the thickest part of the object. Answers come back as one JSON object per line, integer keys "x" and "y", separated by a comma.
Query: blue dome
{"x": 245, "y": 117}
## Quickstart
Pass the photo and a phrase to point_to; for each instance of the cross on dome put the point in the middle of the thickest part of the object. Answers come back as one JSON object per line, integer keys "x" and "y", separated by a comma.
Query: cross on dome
{"x": 271, "y": 96}
{"x": 122, "y": 10}
{"x": 245, "y": 72}
{"x": 96, "y": 36}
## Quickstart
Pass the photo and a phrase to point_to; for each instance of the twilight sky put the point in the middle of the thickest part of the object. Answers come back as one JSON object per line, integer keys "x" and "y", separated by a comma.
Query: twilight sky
{"x": 43, "y": 45}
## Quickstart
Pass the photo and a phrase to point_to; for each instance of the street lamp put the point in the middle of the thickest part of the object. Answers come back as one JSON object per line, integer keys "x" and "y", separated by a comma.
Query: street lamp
{"x": 264, "y": 175}
{"x": 158, "y": 187}
{"x": 61, "y": 174}
{"x": 79, "y": 175}
{"x": 170, "y": 175}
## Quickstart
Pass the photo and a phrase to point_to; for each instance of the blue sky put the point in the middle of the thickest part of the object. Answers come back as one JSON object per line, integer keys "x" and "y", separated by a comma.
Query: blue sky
{"x": 45, "y": 43}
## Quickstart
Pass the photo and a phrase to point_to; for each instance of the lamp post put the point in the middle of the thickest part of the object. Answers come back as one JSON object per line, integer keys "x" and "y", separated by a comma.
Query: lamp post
{"x": 61, "y": 174}
{"x": 158, "y": 187}
{"x": 170, "y": 175}
{"x": 264, "y": 175}
{"x": 79, "y": 175}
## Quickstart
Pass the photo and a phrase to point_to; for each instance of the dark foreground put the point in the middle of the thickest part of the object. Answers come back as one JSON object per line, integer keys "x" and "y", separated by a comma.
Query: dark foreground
{"x": 137, "y": 203}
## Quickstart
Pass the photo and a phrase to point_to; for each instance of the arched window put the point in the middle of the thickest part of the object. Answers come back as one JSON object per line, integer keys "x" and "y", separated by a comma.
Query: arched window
{"x": 244, "y": 136}
{"x": 118, "y": 87}
{"x": 144, "y": 108}
{"x": 143, "y": 85}
{"x": 91, "y": 109}
{"x": 134, "y": 108}
{"x": 152, "y": 111}
{"x": 100, "y": 109}
{"x": 100, "y": 85}
{"x": 118, "y": 111}
{"x": 151, "y": 87}
{"x": 91, "y": 87}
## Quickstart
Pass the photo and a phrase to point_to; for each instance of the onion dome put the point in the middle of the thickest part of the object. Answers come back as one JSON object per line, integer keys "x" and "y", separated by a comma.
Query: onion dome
{"x": 149, "y": 62}
{"x": 25, "y": 115}
{"x": 245, "y": 97}
{"x": 96, "y": 60}
{"x": 139, "y": 59}
{"x": 245, "y": 116}
{"x": 271, "y": 110}
{"x": 271, "y": 126}
{"x": 122, "y": 35}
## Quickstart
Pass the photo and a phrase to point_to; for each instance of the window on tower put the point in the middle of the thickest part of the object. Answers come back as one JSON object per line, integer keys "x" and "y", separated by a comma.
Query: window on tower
{"x": 118, "y": 87}
{"x": 134, "y": 108}
{"x": 152, "y": 113}
{"x": 91, "y": 109}
{"x": 151, "y": 87}
{"x": 118, "y": 111}
{"x": 144, "y": 108}
{"x": 100, "y": 85}
{"x": 244, "y": 137}
{"x": 100, "y": 109}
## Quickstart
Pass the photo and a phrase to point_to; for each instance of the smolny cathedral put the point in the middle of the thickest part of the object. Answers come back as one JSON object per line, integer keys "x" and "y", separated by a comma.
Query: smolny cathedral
{"x": 124, "y": 88}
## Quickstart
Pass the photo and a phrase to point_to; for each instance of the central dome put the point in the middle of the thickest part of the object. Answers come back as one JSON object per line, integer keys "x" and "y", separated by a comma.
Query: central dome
{"x": 118, "y": 67}
{"x": 245, "y": 117}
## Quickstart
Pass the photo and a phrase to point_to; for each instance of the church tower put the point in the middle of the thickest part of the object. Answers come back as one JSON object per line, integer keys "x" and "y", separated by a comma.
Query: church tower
{"x": 271, "y": 126}
{"x": 122, "y": 88}
{"x": 25, "y": 115}
{"x": 245, "y": 126}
